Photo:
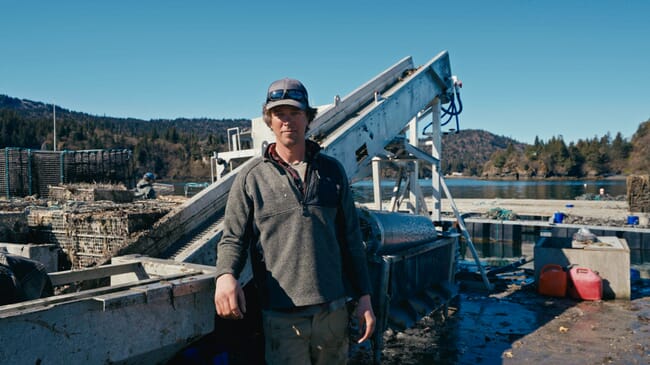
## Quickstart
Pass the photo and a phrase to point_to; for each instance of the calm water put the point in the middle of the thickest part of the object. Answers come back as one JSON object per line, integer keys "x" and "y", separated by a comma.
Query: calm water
{"x": 483, "y": 189}
{"x": 489, "y": 189}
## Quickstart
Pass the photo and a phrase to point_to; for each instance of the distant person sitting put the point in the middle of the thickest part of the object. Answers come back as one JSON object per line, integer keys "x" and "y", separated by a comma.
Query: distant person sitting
{"x": 144, "y": 189}
{"x": 602, "y": 195}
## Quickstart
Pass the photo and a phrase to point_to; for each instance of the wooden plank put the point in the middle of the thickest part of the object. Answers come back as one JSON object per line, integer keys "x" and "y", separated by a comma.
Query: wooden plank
{"x": 42, "y": 304}
{"x": 71, "y": 276}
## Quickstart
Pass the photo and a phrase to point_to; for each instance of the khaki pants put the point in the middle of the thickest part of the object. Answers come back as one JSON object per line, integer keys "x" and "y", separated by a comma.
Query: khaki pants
{"x": 319, "y": 339}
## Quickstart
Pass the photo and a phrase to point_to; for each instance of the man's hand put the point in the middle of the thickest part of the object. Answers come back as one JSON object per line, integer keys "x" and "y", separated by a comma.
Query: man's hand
{"x": 366, "y": 318}
{"x": 229, "y": 298}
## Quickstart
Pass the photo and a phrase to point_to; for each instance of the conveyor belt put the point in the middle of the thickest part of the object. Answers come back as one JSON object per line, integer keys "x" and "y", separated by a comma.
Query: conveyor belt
{"x": 353, "y": 130}
{"x": 207, "y": 230}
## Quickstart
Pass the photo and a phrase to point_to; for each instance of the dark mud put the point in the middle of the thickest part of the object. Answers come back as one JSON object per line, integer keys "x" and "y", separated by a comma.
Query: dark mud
{"x": 515, "y": 325}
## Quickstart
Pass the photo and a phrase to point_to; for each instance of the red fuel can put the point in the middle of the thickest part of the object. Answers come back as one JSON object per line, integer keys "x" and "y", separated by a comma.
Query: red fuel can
{"x": 585, "y": 284}
{"x": 552, "y": 281}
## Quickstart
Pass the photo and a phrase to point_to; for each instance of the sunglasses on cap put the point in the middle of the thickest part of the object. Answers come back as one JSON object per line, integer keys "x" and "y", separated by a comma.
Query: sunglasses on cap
{"x": 280, "y": 94}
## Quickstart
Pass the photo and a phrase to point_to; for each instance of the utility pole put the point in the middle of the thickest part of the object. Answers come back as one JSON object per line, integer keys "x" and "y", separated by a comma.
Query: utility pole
{"x": 54, "y": 113}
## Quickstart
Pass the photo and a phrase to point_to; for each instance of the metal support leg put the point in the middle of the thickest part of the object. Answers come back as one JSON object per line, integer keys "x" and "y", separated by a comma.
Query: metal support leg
{"x": 382, "y": 312}
{"x": 463, "y": 229}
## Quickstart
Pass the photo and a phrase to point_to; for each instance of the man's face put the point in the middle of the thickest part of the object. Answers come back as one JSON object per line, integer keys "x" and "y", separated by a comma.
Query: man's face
{"x": 289, "y": 125}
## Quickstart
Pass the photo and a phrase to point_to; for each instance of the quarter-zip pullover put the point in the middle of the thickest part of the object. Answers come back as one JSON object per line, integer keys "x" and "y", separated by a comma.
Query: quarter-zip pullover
{"x": 306, "y": 242}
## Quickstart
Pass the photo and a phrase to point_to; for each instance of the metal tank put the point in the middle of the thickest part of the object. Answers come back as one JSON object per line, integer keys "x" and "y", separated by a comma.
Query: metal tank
{"x": 411, "y": 267}
{"x": 388, "y": 232}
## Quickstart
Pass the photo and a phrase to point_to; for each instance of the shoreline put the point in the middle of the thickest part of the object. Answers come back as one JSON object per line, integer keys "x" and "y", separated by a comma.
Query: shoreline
{"x": 606, "y": 210}
{"x": 600, "y": 212}
{"x": 552, "y": 178}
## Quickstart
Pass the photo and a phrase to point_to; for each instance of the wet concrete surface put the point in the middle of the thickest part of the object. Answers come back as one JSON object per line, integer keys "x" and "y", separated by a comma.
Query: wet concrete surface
{"x": 512, "y": 324}
{"x": 515, "y": 325}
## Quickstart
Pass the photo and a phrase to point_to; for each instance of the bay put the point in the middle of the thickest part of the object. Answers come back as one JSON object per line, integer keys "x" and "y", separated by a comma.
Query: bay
{"x": 469, "y": 188}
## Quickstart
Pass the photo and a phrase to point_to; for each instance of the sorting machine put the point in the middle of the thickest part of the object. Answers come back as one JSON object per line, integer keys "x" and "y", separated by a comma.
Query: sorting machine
{"x": 377, "y": 127}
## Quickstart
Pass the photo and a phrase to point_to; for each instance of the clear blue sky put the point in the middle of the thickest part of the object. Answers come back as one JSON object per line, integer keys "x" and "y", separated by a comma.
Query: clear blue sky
{"x": 530, "y": 68}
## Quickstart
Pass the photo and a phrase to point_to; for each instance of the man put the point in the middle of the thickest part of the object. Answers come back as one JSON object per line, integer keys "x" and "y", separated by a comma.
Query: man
{"x": 292, "y": 209}
{"x": 144, "y": 189}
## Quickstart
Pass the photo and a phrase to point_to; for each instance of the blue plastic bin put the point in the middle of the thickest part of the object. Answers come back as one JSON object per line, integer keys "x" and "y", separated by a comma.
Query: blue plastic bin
{"x": 633, "y": 219}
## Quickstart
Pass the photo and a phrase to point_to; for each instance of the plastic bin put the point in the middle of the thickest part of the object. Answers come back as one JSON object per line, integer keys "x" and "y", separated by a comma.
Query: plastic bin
{"x": 633, "y": 219}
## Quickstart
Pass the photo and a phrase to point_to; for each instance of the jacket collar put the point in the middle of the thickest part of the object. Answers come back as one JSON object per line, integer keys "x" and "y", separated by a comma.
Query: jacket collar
{"x": 311, "y": 151}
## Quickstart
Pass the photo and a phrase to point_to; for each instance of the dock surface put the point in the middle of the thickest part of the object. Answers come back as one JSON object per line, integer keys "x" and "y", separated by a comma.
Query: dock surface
{"x": 607, "y": 210}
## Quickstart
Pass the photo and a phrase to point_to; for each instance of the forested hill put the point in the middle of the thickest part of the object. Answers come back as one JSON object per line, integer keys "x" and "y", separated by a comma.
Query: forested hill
{"x": 173, "y": 149}
{"x": 181, "y": 148}
{"x": 500, "y": 157}
{"x": 469, "y": 150}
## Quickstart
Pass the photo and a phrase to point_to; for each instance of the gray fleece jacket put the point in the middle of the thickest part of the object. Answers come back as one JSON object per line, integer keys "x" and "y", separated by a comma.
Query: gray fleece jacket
{"x": 306, "y": 241}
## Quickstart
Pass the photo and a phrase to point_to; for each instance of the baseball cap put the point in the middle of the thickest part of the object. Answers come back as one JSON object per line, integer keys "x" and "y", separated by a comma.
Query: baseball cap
{"x": 287, "y": 92}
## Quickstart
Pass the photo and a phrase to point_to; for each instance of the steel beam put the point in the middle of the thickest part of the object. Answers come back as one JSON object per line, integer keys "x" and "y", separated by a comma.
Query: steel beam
{"x": 375, "y": 125}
